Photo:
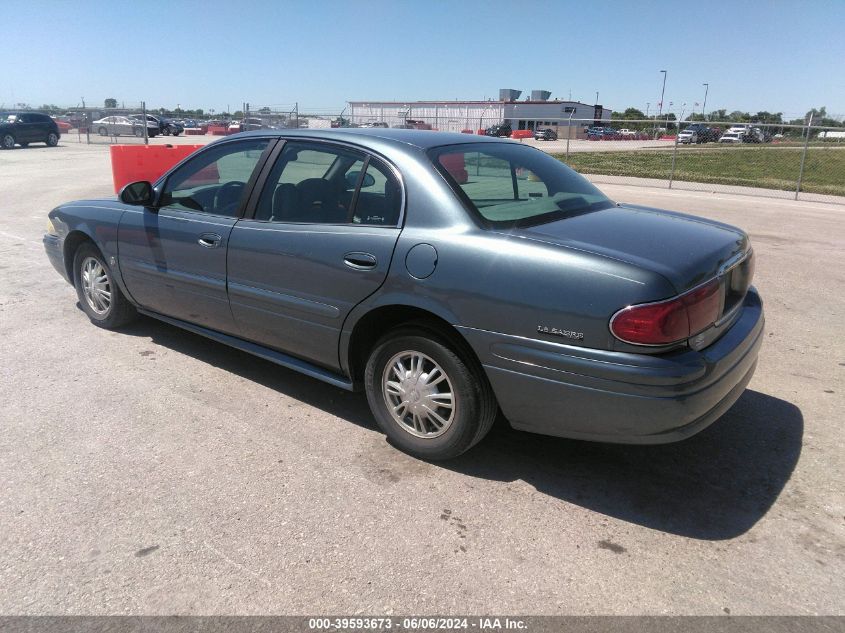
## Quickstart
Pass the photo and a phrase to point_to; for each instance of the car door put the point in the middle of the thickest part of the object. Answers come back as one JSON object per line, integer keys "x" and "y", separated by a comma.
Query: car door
{"x": 26, "y": 130}
{"x": 173, "y": 257}
{"x": 316, "y": 240}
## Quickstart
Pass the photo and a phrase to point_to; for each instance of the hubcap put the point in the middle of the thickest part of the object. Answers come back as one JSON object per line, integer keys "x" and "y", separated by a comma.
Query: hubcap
{"x": 96, "y": 286}
{"x": 418, "y": 394}
{"x": 8, "y": 141}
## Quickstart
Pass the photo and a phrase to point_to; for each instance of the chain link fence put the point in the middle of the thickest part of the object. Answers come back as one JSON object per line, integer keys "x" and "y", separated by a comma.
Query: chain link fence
{"x": 779, "y": 160}
{"x": 804, "y": 162}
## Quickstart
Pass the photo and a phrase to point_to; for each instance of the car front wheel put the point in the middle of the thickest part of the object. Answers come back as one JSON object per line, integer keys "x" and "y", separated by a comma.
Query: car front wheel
{"x": 99, "y": 296}
{"x": 8, "y": 141}
{"x": 429, "y": 400}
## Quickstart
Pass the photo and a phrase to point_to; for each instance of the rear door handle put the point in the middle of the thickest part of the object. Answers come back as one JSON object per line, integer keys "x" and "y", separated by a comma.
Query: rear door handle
{"x": 209, "y": 240}
{"x": 360, "y": 261}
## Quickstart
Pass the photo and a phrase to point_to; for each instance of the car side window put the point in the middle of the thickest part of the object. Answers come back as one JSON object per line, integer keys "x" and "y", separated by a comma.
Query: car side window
{"x": 311, "y": 183}
{"x": 379, "y": 198}
{"x": 214, "y": 181}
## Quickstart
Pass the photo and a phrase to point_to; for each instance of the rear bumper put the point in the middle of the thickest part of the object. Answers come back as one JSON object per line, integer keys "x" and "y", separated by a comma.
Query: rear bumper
{"x": 567, "y": 391}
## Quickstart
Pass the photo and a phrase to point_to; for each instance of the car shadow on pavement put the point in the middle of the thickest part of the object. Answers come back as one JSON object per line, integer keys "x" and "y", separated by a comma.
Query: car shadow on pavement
{"x": 715, "y": 485}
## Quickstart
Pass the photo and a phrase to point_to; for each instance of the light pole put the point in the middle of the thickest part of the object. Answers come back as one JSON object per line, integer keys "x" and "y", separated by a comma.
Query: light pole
{"x": 704, "y": 106}
{"x": 597, "y": 98}
{"x": 662, "y": 94}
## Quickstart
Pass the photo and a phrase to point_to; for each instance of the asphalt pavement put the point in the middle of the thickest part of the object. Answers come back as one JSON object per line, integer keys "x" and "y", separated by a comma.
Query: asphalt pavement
{"x": 151, "y": 471}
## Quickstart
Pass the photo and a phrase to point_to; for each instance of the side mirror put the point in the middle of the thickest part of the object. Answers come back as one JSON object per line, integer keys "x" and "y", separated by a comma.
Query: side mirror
{"x": 352, "y": 180}
{"x": 137, "y": 193}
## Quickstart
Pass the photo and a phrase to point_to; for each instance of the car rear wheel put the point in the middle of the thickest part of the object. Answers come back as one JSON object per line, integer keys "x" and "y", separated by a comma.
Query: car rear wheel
{"x": 52, "y": 139}
{"x": 103, "y": 131}
{"x": 99, "y": 296}
{"x": 429, "y": 400}
{"x": 165, "y": 131}
{"x": 139, "y": 132}
{"x": 8, "y": 141}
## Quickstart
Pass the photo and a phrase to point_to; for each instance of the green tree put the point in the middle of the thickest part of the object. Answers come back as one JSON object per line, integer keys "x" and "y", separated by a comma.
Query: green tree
{"x": 110, "y": 103}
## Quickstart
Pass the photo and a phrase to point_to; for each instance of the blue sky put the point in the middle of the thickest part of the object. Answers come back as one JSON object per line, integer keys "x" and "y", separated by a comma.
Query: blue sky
{"x": 778, "y": 56}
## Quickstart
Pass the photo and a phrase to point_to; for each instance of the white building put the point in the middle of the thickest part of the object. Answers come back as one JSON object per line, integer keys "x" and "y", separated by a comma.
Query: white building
{"x": 454, "y": 116}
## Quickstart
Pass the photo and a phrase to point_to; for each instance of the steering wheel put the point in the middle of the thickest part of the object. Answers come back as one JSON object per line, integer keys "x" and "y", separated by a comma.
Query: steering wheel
{"x": 227, "y": 197}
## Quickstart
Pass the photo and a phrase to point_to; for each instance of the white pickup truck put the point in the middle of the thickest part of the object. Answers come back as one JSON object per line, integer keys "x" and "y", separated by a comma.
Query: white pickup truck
{"x": 626, "y": 132}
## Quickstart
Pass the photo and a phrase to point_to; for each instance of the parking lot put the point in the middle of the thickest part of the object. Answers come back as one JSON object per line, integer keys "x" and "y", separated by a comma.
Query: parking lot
{"x": 151, "y": 471}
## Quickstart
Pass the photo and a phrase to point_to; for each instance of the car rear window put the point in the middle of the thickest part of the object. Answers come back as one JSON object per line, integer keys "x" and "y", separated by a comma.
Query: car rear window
{"x": 507, "y": 184}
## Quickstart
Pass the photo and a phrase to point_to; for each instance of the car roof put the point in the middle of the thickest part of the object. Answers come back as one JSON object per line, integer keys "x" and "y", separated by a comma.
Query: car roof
{"x": 422, "y": 139}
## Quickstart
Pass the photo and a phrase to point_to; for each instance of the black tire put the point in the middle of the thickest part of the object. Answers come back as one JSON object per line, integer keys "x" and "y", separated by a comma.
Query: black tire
{"x": 139, "y": 132}
{"x": 165, "y": 131}
{"x": 474, "y": 404}
{"x": 103, "y": 131}
{"x": 52, "y": 139}
{"x": 119, "y": 311}
{"x": 7, "y": 141}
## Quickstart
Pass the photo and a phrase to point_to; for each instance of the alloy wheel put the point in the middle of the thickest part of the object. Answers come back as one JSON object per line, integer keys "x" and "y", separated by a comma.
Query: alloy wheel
{"x": 419, "y": 394}
{"x": 96, "y": 286}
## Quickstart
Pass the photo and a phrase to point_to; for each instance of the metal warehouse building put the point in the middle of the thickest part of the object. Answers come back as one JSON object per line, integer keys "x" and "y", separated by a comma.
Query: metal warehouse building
{"x": 454, "y": 116}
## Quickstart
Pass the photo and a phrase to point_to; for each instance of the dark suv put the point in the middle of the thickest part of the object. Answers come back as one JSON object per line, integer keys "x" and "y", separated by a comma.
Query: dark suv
{"x": 23, "y": 128}
{"x": 503, "y": 129}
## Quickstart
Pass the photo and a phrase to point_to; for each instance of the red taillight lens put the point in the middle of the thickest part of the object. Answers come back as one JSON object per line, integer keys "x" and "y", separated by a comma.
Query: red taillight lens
{"x": 669, "y": 321}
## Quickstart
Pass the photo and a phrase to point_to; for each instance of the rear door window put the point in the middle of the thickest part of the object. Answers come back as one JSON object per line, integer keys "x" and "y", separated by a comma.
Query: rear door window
{"x": 315, "y": 183}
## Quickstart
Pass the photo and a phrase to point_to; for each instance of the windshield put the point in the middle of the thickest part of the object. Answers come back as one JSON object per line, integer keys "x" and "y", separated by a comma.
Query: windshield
{"x": 507, "y": 184}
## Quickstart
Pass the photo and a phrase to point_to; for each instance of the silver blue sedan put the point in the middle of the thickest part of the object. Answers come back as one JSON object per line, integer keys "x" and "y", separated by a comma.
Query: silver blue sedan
{"x": 449, "y": 277}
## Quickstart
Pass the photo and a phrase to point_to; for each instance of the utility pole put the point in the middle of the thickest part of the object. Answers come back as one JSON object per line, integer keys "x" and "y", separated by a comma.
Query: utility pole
{"x": 704, "y": 105}
{"x": 662, "y": 94}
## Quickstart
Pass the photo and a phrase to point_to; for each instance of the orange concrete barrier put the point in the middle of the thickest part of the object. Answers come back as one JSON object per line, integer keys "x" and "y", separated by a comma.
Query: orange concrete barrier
{"x": 456, "y": 166}
{"x": 522, "y": 134}
{"x": 131, "y": 163}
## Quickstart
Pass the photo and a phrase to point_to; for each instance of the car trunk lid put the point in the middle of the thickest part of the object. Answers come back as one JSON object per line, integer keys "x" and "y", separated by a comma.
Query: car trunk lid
{"x": 684, "y": 249}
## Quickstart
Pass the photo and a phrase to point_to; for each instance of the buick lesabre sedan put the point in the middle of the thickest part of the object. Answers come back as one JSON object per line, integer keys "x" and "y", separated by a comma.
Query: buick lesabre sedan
{"x": 449, "y": 277}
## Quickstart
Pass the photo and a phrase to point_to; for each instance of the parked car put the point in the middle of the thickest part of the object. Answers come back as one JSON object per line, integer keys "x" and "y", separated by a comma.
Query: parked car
{"x": 731, "y": 137}
{"x": 524, "y": 289}
{"x": 64, "y": 126}
{"x": 121, "y": 126}
{"x": 688, "y": 136}
{"x": 23, "y": 128}
{"x": 253, "y": 124}
{"x": 626, "y": 133}
{"x": 500, "y": 130}
{"x": 163, "y": 126}
{"x": 603, "y": 133}
{"x": 545, "y": 134}
{"x": 701, "y": 133}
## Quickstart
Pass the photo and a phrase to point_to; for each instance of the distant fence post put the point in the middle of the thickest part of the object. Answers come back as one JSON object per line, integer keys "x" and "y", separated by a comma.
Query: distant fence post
{"x": 146, "y": 133}
{"x": 674, "y": 152}
{"x": 569, "y": 135}
{"x": 804, "y": 156}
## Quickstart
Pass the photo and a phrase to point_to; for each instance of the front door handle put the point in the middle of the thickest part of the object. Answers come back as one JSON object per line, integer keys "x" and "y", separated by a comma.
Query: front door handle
{"x": 209, "y": 240}
{"x": 360, "y": 261}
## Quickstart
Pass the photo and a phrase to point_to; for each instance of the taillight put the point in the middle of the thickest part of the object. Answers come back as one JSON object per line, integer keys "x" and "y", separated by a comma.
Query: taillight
{"x": 670, "y": 321}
